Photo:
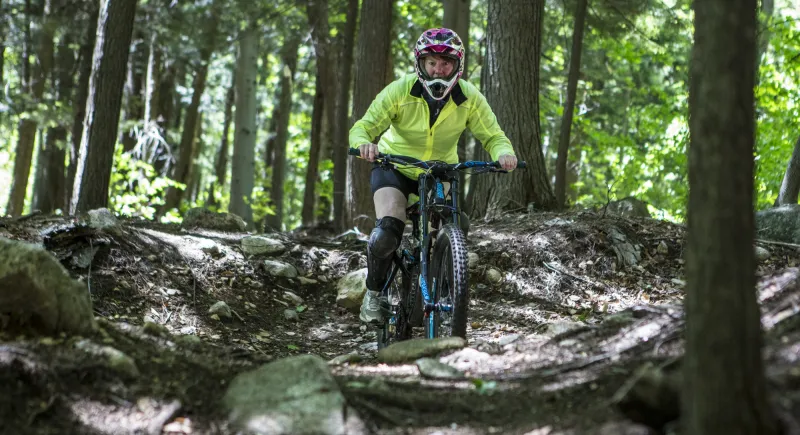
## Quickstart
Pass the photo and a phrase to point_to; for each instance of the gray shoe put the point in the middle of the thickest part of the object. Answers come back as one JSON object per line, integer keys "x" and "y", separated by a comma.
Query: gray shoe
{"x": 374, "y": 308}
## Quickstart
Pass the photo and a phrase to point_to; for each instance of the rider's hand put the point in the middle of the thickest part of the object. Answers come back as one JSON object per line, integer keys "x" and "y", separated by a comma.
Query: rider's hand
{"x": 507, "y": 161}
{"x": 369, "y": 152}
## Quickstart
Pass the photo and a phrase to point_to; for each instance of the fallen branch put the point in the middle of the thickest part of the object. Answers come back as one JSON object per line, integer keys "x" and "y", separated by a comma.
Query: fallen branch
{"x": 771, "y": 242}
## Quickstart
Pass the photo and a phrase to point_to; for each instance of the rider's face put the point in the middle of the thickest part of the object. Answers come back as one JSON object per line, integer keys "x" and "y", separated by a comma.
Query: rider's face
{"x": 439, "y": 66}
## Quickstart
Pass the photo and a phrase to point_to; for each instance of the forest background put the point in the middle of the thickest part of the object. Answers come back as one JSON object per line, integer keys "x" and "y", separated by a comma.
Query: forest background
{"x": 187, "y": 131}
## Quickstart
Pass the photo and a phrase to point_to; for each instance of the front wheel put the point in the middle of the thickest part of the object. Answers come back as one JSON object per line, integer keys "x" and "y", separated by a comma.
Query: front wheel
{"x": 448, "y": 279}
{"x": 396, "y": 326}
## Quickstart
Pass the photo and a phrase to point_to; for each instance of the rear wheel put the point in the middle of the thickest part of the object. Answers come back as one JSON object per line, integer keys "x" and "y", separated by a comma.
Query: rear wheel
{"x": 448, "y": 278}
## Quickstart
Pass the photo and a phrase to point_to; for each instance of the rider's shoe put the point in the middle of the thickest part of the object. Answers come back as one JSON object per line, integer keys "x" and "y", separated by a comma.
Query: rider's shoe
{"x": 374, "y": 308}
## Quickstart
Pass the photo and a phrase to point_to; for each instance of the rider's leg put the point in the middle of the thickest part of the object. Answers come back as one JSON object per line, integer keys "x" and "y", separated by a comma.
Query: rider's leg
{"x": 383, "y": 241}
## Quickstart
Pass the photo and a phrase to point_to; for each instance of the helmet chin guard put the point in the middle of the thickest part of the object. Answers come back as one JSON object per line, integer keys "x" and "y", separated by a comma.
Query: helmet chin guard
{"x": 442, "y": 42}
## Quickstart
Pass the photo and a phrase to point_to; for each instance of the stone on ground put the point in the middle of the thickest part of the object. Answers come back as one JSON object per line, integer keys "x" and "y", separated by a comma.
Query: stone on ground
{"x": 260, "y": 245}
{"x": 411, "y": 350}
{"x": 199, "y": 217}
{"x": 279, "y": 268}
{"x": 38, "y": 295}
{"x": 350, "y": 290}
{"x": 781, "y": 224}
{"x": 295, "y": 395}
{"x": 432, "y": 368}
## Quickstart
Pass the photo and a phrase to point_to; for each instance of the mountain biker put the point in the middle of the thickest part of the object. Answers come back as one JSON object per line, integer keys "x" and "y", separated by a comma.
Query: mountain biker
{"x": 426, "y": 112}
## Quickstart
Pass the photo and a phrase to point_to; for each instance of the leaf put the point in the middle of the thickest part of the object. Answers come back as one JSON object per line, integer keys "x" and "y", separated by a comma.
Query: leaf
{"x": 292, "y": 347}
{"x": 300, "y": 308}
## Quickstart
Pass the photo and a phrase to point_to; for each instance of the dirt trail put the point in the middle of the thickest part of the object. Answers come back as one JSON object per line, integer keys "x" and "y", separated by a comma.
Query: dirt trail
{"x": 556, "y": 327}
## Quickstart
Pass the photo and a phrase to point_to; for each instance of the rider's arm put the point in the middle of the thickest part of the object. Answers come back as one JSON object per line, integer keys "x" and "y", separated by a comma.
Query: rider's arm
{"x": 483, "y": 124}
{"x": 377, "y": 119}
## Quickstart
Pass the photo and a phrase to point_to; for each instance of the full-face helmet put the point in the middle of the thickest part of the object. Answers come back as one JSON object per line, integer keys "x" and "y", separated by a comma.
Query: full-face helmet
{"x": 443, "y": 42}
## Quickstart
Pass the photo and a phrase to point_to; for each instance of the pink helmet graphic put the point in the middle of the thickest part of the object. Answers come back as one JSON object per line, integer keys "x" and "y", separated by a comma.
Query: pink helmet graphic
{"x": 442, "y": 42}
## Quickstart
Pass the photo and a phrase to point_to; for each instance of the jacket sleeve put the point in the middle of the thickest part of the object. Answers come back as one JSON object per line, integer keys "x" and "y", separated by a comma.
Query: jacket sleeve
{"x": 483, "y": 124}
{"x": 377, "y": 119}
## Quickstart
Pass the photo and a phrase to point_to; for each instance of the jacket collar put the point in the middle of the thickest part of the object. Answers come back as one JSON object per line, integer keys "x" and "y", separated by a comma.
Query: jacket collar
{"x": 456, "y": 92}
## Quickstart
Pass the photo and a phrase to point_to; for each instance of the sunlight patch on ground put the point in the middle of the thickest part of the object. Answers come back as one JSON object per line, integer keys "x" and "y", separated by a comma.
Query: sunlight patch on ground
{"x": 572, "y": 379}
{"x": 192, "y": 248}
{"x": 118, "y": 416}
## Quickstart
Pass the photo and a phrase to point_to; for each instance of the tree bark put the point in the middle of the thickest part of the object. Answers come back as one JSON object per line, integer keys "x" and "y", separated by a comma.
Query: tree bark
{"x": 456, "y": 18}
{"x": 317, "y": 11}
{"x": 341, "y": 125}
{"x": 312, "y": 171}
{"x": 221, "y": 164}
{"x": 190, "y": 121}
{"x": 49, "y": 188}
{"x": 27, "y": 126}
{"x": 724, "y": 384}
{"x": 114, "y": 29}
{"x": 79, "y": 101}
{"x": 371, "y": 75}
{"x": 134, "y": 105}
{"x": 289, "y": 58}
{"x": 790, "y": 187}
{"x": 514, "y": 37}
{"x": 244, "y": 140}
{"x": 569, "y": 103}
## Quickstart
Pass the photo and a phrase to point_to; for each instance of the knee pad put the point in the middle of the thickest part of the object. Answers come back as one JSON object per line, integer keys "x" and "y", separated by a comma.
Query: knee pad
{"x": 386, "y": 237}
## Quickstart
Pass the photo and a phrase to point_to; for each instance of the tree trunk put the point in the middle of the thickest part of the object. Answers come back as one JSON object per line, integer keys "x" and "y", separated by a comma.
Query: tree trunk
{"x": 221, "y": 164}
{"x": 244, "y": 139}
{"x": 195, "y": 169}
{"x": 134, "y": 106}
{"x": 569, "y": 103}
{"x": 289, "y": 58}
{"x": 28, "y": 127}
{"x": 456, "y": 18}
{"x": 790, "y": 187}
{"x": 371, "y": 75}
{"x": 160, "y": 154}
{"x": 49, "y": 188}
{"x": 151, "y": 79}
{"x": 515, "y": 100}
{"x": 724, "y": 384}
{"x": 114, "y": 29}
{"x": 341, "y": 125}
{"x": 317, "y": 11}
{"x": 312, "y": 171}
{"x": 79, "y": 101}
{"x": 190, "y": 121}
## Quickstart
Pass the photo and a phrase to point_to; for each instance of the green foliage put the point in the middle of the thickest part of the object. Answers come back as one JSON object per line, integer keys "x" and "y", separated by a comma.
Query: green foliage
{"x": 135, "y": 188}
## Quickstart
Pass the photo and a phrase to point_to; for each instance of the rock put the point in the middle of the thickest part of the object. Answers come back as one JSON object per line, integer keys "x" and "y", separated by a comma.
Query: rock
{"x": 291, "y": 315}
{"x": 651, "y": 396}
{"x": 293, "y": 298}
{"x": 306, "y": 281}
{"x": 465, "y": 358}
{"x": 38, "y": 295}
{"x": 432, "y": 368}
{"x": 762, "y": 254}
{"x": 199, "y": 217}
{"x": 662, "y": 248}
{"x": 295, "y": 395}
{"x": 155, "y": 329}
{"x": 350, "y": 290}
{"x": 472, "y": 260}
{"x": 84, "y": 256}
{"x": 411, "y": 350}
{"x": 114, "y": 358}
{"x": 257, "y": 245}
{"x": 277, "y": 268}
{"x": 187, "y": 340}
{"x": 781, "y": 224}
{"x": 628, "y": 252}
{"x": 103, "y": 219}
{"x": 629, "y": 207}
{"x": 221, "y": 309}
{"x": 348, "y": 358}
{"x": 494, "y": 276}
{"x": 508, "y": 339}
{"x": 558, "y": 328}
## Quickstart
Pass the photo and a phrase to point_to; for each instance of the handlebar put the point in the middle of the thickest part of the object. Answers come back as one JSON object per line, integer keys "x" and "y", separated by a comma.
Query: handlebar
{"x": 405, "y": 160}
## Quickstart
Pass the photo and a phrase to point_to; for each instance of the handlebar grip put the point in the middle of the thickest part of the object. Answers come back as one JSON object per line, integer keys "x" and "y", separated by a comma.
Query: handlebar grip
{"x": 521, "y": 164}
{"x": 354, "y": 151}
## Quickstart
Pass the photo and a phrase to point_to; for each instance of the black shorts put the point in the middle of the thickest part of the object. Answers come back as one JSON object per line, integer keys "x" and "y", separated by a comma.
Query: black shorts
{"x": 383, "y": 176}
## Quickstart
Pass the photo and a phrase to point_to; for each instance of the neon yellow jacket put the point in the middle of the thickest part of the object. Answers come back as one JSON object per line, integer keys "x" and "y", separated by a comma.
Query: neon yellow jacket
{"x": 401, "y": 107}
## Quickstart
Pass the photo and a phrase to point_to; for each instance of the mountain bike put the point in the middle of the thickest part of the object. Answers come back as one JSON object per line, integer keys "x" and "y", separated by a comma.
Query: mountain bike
{"x": 427, "y": 283}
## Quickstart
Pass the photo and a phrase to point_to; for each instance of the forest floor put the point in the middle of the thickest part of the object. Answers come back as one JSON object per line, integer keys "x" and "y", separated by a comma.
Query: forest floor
{"x": 549, "y": 343}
